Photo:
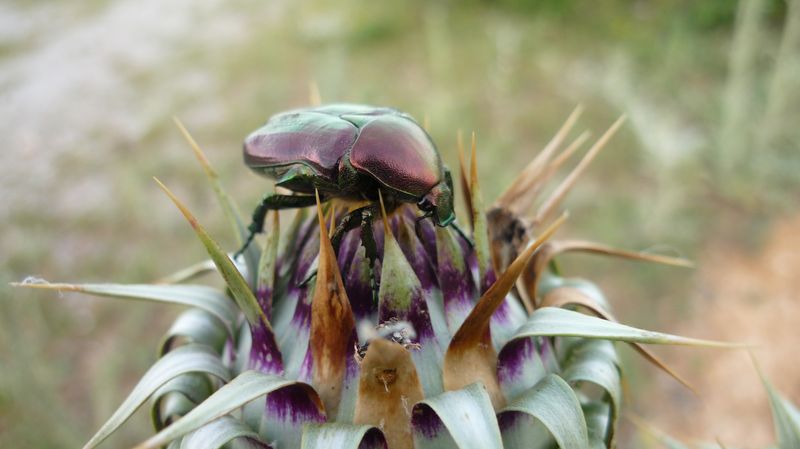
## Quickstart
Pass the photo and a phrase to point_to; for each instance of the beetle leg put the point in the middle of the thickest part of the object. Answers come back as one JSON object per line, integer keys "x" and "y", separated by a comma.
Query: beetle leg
{"x": 361, "y": 217}
{"x": 371, "y": 249}
{"x": 462, "y": 234}
{"x": 273, "y": 201}
{"x": 350, "y": 221}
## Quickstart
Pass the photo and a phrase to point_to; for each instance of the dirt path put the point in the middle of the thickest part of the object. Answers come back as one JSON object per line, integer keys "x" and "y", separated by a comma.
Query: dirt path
{"x": 744, "y": 297}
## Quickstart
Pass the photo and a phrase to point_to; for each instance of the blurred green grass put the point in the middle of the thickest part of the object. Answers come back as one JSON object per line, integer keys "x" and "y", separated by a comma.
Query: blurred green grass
{"x": 710, "y": 150}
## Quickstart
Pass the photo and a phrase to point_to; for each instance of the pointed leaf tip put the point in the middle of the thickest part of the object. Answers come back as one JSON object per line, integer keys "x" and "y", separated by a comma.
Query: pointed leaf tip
{"x": 332, "y": 324}
{"x": 198, "y": 152}
{"x": 229, "y": 207}
{"x": 233, "y": 278}
{"x": 474, "y": 162}
{"x": 532, "y": 174}
{"x": 320, "y": 215}
{"x": 480, "y": 227}
{"x": 566, "y": 185}
{"x": 478, "y": 319}
{"x": 464, "y": 178}
{"x": 470, "y": 356}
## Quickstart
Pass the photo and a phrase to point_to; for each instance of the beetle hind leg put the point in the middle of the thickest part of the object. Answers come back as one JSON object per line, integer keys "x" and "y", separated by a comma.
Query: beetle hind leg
{"x": 272, "y": 201}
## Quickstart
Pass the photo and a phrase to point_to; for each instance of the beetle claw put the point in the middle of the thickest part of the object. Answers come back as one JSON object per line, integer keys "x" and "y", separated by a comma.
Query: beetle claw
{"x": 245, "y": 245}
{"x": 308, "y": 279}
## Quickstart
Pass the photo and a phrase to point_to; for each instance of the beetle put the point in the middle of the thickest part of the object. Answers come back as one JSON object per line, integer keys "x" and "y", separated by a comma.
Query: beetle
{"x": 351, "y": 152}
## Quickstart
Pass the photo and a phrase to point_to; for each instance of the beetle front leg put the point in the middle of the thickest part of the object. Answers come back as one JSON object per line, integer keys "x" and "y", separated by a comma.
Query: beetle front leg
{"x": 272, "y": 201}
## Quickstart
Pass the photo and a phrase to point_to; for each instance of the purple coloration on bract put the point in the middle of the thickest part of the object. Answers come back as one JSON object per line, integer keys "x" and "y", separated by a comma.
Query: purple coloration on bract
{"x": 301, "y": 319}
{"x": 427, "y": 235}
{"x": 459, "y": 292}
{"x": 417, "y": 314}
{"x": 411, "y": 304}
{"x": 425, "y": 421}
{"x": 420, "y": 318}
{"x": 307, "y": 368}
{"x": 373, "y": 439}
{"x": 293, "y": 404}
{"x": 357, "y": 285}
{"x": 264, "y": 298}
{"x": 519, "y": 366}
{"x": 257, "y": 443}
{"x": 304, "y": 264}
{"x": 501, "y": 316}
{"x": 417, "y": 256}
{"x": 347, "y": 249}
{"x": 505, "y": 420}
{"x": 488, "y": 280}
{"x": 264, "y": 353}
{"x": 512, "y": 358}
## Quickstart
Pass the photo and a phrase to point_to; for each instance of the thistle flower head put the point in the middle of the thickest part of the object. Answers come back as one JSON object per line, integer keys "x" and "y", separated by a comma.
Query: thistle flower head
{"x": 469, "y": 342}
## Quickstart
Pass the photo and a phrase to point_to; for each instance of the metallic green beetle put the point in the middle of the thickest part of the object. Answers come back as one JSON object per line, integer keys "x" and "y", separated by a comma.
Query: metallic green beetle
{"x": 351, "y": 152}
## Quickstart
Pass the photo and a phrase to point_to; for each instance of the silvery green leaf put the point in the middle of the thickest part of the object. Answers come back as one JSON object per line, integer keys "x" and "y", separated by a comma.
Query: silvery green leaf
{"x": 460, "y": 419}
{"x": 200, "y": 296}
{"x": 595, "y": 361}
{"x": 220, "y": 432}
{"x": 192, "y": 387}
{"x": 229, "y": 207}
{"x": 342, "y": 436}
{"x": 785, "y": 417}
{"x": 598, "y": 421}
{"x": 188, "y": 273}
{"x": 195, "y": 326}
{"x": 186, "y": 359}
{"x": 244, "y": 388}
{"x": 555, "y": 322}
{"x": 553, "y": 403}
{"x": 236, "y": 283}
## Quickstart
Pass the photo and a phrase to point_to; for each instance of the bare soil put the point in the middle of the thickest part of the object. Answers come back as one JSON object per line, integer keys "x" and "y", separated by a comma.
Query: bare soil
{"x": 741, "y": 297}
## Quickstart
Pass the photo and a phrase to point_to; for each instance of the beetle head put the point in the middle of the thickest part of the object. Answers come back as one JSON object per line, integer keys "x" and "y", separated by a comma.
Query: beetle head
{"x": 438, "y": 203}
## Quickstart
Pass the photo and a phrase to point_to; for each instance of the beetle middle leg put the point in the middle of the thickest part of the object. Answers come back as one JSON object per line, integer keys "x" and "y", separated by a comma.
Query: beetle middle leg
{"x": 273, "y": 201}
{"x": 361, "y": 217}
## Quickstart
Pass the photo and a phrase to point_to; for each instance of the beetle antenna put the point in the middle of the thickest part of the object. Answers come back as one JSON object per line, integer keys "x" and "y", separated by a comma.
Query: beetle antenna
{"x": 463, "y": 234}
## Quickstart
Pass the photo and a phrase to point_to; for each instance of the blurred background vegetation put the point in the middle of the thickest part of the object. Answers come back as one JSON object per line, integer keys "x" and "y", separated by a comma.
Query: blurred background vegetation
{"x": 706, "y": 167}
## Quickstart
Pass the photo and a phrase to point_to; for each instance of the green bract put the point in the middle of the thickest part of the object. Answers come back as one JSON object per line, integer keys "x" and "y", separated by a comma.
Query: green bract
{"x": 471, "y": 344}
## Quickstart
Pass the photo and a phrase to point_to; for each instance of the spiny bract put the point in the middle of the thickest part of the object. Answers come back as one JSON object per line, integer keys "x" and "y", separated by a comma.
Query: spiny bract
{"x": 471, "y": 344}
